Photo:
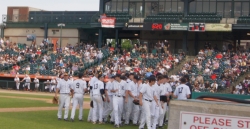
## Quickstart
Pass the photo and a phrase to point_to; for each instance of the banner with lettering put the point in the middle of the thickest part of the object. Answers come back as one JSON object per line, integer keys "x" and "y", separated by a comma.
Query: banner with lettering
{"x": 108, "y": 22}
{"x": 176, "y": 26}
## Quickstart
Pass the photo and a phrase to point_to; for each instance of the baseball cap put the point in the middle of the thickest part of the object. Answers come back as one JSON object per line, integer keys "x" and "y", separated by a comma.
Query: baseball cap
{"x": 137, "y": 77}
{"x": 118, "y": 75}
{"x": 166, "y": 76}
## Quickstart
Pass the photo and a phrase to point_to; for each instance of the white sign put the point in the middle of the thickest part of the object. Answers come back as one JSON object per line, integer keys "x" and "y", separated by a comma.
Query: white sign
{"x": 190, "y": 120}
{"x": 108, "y": 22}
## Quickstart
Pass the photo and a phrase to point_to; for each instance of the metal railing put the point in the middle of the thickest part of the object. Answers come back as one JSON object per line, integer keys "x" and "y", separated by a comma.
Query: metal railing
{"x": 53, "y": 18}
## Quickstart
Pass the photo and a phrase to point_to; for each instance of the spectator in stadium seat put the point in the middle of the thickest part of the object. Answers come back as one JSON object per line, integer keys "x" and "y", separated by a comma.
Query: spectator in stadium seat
{"x": 214, "y": 87}
{"x": 199, "y": 78}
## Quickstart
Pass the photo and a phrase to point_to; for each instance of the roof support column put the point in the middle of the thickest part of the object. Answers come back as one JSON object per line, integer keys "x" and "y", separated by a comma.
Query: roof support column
{"x": 45, "y": 30}
{"x": 186, "y": 7}
{"x": 184, "y": 41}
{"x": 100, "y": 38}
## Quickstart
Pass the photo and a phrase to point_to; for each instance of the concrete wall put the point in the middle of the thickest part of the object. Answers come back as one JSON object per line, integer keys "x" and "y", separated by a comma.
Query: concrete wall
{"x": 197, "y": 106}
{"x": 19, "y": 35}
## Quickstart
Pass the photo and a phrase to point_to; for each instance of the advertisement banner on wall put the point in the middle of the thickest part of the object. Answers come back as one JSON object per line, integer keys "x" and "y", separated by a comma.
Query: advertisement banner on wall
{"x": 153, "y": 26}
{"x": 31, "y": 37}
{"x": 108, "y": 22}
{"x": 176, "y": 26}
{"x": 197, "y": 27}
{"x": 134, "y": 26}
{"x": 218, "y": 27}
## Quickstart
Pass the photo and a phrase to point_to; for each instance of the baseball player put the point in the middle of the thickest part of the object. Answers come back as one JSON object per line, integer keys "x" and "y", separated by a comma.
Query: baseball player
{"x": 128, "y": 78}
{"x": 79, "y": 87}
{"x": 47, "y": 87}
{"x": 182, "y": 91}
{"x": 165, "y": 94}
{"x": 91, "y": 85}
{"x": 27, "y": 81}
{"x": 132, "y": 94}
{"x": 36, "y": 81}
{"x": 64, "y": 86}
{"x": 147, "y": 95}
{"x": 97, "y": 92}
{"x": 157, "y": 110}
{"x": 109, "y": 100}
{"x": 53, "y": 85}
{"x": 118, "y": 100}
{"x": 17, "y": 80}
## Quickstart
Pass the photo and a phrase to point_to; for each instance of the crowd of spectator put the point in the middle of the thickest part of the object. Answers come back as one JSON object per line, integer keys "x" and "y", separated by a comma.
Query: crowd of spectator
{"x": 209, "y": 71}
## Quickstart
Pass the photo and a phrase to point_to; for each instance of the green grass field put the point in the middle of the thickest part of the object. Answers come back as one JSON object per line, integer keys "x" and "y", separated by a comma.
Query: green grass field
{"x": 48, "y": 120}
{"x": 33, "y": 96}
{"x": 41, "y": 119}
{"x": 21, "y": 103}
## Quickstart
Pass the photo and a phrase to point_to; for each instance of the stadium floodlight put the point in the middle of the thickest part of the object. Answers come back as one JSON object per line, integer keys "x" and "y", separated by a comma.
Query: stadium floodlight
{"x": 61, "y": 25}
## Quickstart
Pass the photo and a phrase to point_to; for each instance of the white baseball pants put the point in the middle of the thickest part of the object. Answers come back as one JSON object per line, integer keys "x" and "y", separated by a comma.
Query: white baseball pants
{"x": 108, "y": 108}
{"x": 157, "y": 111}
{"x": 64, "y": 100}
{"x": 91, "y": 109}
{"x": 77, "y": 99}
{"x": 17, "y": 86}
{"x": 28, "y": 85}
{"x": 161, "y": 117}
{"x": 131, "y": 108}
{"x": 118, "y": 108}
{"x": 98, "y": 108}
{"x": 146, "y": 114}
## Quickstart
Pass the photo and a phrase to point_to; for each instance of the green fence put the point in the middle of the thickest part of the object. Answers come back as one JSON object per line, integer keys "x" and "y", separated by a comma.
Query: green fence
{"x": 195, "y": 95}
{"x": 4, "y": 84}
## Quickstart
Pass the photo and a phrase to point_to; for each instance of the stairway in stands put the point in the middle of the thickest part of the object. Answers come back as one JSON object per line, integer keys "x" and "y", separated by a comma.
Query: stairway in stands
{"x": 178, "y": 68}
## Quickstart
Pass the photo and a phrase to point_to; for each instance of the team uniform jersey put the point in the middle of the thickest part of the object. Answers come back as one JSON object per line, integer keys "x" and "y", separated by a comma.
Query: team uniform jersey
{"x": 98, "y": 85}
{"x": 17, "y": 80}
{"x": 132, "y": 87}
{"x": 64, "y": 86}
{"x": 109, "y": 86}
{"x": 120, "y": 86}
{"x": 92, "y": 81}
{"x": 79, "y": 86}
{"x": 148, "y": 92}
{"x": 157, "y": 90}
{"x": 182, "y": 91}
{"x": 27, "y": 79}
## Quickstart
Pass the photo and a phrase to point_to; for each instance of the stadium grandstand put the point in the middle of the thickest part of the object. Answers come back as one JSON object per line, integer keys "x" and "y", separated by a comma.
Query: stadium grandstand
{"x": 208, "y": 40}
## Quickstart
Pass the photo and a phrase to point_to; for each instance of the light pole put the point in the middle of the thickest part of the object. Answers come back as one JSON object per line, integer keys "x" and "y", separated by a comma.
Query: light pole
{"x": 61, "y": 25}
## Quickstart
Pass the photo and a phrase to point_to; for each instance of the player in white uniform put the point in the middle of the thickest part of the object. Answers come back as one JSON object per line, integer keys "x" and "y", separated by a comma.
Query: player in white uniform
{"x": 164, "y": 97}
{"x": 132, "y": 94}
{"x": 17, "y": 80}
{"x": 36, "y": 81}
{"x": 27, "y": 81}
{"x": 109, "y": 100}
{"x": 118, "y": 100}
{"x": 47, "y": 87}
{"x": 182, "y": 92}
{"x": 130, "y": 77}
{"x": 64, "y": 86}
{"x": 156, "y": 110}
{"x": 147, "y": 95}
{"x": 98, "y": 91}
{"x": 91, "y": 85}
{"x": 53, "y": 85}
{"x": 79, "y": 87}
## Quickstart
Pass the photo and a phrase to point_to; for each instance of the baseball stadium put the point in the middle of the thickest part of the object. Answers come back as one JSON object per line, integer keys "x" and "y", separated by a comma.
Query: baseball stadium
{"x": 147, "y": 64}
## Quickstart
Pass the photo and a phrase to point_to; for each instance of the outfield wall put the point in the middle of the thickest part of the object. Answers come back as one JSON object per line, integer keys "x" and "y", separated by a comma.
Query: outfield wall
{"x": 215, "y": 115}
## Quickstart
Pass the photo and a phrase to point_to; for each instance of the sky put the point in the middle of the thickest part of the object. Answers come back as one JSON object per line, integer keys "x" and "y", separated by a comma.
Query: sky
{"x": 52, "y": 5}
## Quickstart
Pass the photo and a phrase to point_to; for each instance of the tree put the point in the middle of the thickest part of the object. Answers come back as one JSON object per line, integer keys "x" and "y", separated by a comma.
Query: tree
{"x": 126, "y": 45}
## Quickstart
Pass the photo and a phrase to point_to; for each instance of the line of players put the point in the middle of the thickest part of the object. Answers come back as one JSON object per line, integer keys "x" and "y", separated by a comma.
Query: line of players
{"x": 50, "y": 85}
{"x": 116, "y": 99}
